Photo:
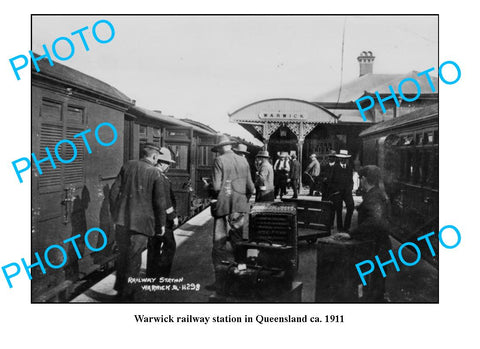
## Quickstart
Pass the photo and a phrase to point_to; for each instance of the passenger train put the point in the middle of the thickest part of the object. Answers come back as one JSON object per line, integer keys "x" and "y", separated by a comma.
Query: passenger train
{"x": 407, "y": 150}
{"x": 72, "y": 198}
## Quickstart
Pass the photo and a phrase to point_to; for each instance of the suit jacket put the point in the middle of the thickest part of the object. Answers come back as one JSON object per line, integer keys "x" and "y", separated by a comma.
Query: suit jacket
{"x": 342, "y": 179}
{"x": 265, "y": 179}
{"x": 170, "y": 201}
{"x": 232, "y": 182}
{"x": 137, "y": 198}
{"x": 296, "y": 170}
{"x": 372, "y": 221}
{"x": 326, "y": 176}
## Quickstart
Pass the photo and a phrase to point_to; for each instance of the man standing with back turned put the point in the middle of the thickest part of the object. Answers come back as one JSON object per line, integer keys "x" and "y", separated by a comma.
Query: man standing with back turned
{"x": 137, "y": 202}
{"x": 232, "y": 184}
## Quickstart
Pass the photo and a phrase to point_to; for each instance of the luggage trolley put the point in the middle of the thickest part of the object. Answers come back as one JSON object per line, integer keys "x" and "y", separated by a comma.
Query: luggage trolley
{"x": 315, "y": 218}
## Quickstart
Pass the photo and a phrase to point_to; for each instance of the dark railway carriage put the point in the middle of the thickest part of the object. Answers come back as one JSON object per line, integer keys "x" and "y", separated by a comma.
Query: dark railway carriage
{"x": 71, "y": 198}
{"x": 191, "y": 146}
{"x": 406, "y": 149}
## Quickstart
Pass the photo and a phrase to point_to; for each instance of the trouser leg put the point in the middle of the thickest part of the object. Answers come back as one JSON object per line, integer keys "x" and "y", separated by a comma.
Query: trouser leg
{"x": 295, "y": 188}
{"x": 350, "y": 207}
{"x": 168, "y": 253}
{"x": 153, "y": 256}
{"x": 137, "y": 243}
{"x": 338, "y": 204}
{"x": 219, "y": 250}
{"x": 122, "y": 239}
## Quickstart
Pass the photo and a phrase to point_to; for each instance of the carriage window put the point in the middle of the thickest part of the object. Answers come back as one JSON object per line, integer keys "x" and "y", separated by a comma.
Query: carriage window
{"x": 51, "y": 110}
{"x": 75, "y": 114}
{"x": 157, "y": 136}
{"x": 180, "y": 152}
{"x": 205, "y": 157}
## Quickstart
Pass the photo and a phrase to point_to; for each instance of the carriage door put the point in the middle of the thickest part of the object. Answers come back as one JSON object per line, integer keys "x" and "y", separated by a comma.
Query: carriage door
{"x": 179, "y": 140}
{"x": 205, "y": 158}
{"x": 59, "y": 195}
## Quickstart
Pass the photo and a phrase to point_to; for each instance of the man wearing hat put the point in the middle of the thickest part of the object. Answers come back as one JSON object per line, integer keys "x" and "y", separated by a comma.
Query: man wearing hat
{"x": 161, "y": 249}
{"x": 137, "y": 204}
{"x": 312, "y": 172}
{"x": 326, "y": 175}
{"x": 241, "y": 149}
{"x": 340, "y": 190}
{"x": 282, "y": 170}
{"x": 232, "y": 184}
{"x": 296, "y": 170}
{"x": 264, "y": 180}
{"x": 373, "y": 225}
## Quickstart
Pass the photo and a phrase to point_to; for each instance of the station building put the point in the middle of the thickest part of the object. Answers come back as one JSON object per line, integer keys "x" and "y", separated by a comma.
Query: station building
{"x": 332, "y": 120}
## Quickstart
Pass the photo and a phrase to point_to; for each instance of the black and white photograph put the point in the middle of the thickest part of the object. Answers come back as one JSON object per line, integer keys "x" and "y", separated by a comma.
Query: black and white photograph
{"x": 237, "y": 175}
{"x": 235, "y": 159}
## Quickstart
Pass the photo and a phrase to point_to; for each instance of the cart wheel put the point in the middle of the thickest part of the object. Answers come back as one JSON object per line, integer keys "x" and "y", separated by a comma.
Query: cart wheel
{"x": 312, "y": 241}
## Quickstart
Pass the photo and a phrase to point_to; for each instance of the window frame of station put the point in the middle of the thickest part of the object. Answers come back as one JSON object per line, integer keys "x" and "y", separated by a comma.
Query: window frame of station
{"x": 65, "y": 123}
{"x": 416, "y": 153}
{"x": 184, "y": 138}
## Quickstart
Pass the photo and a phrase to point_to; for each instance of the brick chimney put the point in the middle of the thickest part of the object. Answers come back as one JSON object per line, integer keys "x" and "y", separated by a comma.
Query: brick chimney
{"x": 366, "y": 59}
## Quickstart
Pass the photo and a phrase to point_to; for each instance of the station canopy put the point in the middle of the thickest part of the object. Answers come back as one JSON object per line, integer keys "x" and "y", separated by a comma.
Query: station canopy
{"x": 262, "y": 118}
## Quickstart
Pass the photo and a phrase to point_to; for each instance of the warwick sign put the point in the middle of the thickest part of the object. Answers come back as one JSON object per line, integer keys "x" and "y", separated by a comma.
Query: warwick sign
{"x": 279, "y": 115}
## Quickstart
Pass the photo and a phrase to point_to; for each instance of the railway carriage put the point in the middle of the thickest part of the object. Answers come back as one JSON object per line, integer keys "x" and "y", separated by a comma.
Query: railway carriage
{"x": 71, "y": 198}
{"x": 407, "y": 150}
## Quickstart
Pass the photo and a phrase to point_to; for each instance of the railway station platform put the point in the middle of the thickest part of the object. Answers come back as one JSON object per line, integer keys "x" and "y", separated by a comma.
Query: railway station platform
{"x": 192, "y": 270}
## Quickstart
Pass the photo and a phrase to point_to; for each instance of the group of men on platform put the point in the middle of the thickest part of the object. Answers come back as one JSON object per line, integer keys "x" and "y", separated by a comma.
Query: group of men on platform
{"x": 143, "y": 205}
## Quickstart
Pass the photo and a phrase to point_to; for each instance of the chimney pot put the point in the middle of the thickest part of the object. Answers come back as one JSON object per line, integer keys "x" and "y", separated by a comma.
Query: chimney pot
{"x": 365, "y": 59}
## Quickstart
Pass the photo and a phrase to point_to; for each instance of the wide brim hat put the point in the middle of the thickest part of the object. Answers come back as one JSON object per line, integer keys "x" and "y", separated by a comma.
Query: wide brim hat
{"x": 224, "y": 140}
{"x": 241, "y": 148}
{"x": 263, "y": 154}
{"x": 152, "y": 146}
{"x": 343, "y": 154}
{"x": 166, "y": 156}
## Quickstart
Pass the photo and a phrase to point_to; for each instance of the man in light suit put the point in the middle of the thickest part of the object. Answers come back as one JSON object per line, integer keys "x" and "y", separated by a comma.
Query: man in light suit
{"x": 264, "y": 180}
{"x": 232, "y": 186}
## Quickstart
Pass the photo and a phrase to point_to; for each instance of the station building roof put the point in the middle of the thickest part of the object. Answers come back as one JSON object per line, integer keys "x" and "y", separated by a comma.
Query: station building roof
{"x": 368, "y": 84}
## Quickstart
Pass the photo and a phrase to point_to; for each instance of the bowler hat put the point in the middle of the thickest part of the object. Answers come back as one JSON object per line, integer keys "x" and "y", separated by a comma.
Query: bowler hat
{"x": 241, "y": 148}
{"x": 224, "y": 140}
{"x": 332, "y": 153}
{"x": 166, "y": 156}
{"x": 343, "y": 154}
{"x": 152, "y": 146}
{"x": 263, "y": 154}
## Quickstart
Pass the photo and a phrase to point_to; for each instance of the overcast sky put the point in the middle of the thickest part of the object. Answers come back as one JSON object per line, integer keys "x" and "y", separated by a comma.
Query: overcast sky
{"x": 208, "y": 66}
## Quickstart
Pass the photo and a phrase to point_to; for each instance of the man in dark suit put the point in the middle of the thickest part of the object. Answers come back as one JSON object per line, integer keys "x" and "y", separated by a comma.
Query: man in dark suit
{"x": 282, "y": 170}
{"x": 295, "y": 172}
{"x": 161, "y": 249}
{"x": 373, "y": 225}
{"x": 232, "y": 186}
{"x": 137, "y": 202}
{"x": 326, "y": 175}
{"x": 341, "y": 190}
